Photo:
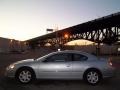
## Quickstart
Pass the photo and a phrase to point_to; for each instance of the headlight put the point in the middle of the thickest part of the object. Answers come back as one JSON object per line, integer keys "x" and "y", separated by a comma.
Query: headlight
{"x": 12, "y": 66}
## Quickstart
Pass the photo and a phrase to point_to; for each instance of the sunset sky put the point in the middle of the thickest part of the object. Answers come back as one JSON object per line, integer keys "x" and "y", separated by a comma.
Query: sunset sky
{"x": 26, "y": 19}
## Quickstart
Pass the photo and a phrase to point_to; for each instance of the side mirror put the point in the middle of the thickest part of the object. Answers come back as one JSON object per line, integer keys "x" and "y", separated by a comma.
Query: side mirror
{"x": 45, "y": 61}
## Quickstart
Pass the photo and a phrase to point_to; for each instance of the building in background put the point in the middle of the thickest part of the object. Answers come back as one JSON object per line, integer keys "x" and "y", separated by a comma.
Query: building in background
{"x": 11, "y": 45}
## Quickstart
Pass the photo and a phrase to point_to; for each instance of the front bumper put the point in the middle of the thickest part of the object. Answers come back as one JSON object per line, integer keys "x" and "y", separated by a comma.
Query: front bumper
{"x": 10, "y": 72}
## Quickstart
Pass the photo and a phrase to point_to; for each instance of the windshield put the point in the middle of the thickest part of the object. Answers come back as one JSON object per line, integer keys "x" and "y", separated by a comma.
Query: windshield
{"x": 40, "y": 58}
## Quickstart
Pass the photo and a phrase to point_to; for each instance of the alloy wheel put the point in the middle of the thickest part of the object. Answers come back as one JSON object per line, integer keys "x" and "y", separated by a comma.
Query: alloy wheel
{"x": 25, "y": 76}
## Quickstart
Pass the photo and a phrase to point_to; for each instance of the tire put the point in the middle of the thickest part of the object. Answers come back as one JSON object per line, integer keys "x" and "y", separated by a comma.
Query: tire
{"x": 92, "y": 77}
{"x": 25, "y": 75}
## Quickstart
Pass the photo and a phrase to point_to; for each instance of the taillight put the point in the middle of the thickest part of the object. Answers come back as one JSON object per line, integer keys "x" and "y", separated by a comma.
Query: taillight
{"x": 110, "y": 62}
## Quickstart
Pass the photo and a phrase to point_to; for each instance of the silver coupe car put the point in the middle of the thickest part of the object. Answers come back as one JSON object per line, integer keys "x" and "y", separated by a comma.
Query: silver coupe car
{"x": 68, "y": 64}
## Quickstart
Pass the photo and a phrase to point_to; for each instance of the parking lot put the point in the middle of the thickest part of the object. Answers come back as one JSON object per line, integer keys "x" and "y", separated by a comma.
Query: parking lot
{"x": 11, "y": 84}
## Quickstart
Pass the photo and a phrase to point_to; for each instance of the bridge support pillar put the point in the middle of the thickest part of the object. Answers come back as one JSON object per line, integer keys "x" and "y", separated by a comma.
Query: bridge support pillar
{"x": 98, "y": 49}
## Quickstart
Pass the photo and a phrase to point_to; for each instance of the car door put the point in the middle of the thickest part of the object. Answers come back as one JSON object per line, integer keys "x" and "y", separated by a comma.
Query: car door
{"x": 79, "y": 65}
{"x": 56, "y": 66}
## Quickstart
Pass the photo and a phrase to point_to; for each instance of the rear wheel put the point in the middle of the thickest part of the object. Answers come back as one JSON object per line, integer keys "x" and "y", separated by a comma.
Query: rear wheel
{"x": 25, "y": 75}
{"x": 92, "y": 77}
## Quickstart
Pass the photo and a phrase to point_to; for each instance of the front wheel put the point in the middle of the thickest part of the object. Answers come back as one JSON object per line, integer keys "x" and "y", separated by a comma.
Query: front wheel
{"x": 25, "y": 76}
{"x": 92, "y": 77}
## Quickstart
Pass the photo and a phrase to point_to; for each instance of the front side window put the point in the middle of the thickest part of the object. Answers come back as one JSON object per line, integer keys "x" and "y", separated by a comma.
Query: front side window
{"x": 59, "y": 58}
{"x": 79, "y": 57}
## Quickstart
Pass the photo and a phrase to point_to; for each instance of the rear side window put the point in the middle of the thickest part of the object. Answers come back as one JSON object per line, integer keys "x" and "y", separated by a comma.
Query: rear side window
{"x": 79, "y": 57}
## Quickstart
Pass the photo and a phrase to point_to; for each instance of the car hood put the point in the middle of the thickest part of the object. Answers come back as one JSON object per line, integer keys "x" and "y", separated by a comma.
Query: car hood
{"x": 24, "y": 61}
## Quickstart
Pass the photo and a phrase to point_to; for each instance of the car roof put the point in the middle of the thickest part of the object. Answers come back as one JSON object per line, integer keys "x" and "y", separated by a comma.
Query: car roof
{"x": 73, "y": 51}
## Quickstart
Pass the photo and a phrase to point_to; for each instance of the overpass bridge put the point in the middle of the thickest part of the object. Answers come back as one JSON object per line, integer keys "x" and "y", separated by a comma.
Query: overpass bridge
{"x": 102, "y": 30}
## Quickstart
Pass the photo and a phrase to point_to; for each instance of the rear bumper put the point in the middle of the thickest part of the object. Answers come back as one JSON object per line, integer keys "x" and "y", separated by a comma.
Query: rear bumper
{"x": 108, "y": 73}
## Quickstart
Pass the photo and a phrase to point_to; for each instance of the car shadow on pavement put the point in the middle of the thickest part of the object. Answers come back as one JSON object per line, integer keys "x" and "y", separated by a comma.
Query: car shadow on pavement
{"x": 12, "y": 84}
